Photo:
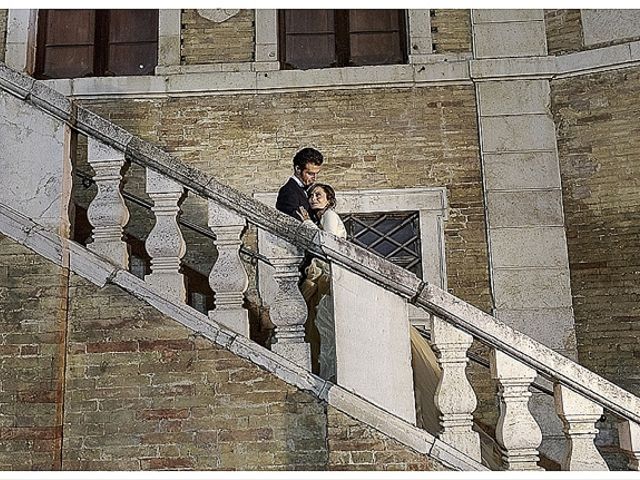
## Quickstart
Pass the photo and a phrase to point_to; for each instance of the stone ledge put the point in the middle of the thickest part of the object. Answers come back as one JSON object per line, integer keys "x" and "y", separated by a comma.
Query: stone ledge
{"x": 581, "y": 62}
{"x": 512, "y": 68}
{"x": 99, "y": 271}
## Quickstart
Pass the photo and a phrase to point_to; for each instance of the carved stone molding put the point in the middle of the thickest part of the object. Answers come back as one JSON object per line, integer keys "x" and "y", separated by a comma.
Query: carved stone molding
{"x": 218, "y": 15}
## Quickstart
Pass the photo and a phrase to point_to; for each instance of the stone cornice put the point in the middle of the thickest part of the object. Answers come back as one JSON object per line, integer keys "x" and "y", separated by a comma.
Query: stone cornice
{"x": 241, "y": 78}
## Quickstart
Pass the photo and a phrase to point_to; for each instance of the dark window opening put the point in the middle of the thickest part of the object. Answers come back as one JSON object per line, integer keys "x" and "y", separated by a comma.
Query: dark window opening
{"x": 394, "y": 236}
{"x": 341, "y": 38}
{"x": 96, "y": 43}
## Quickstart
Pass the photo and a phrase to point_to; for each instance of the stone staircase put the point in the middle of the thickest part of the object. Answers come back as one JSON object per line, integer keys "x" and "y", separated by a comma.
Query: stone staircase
{"x": 39, "y": 123}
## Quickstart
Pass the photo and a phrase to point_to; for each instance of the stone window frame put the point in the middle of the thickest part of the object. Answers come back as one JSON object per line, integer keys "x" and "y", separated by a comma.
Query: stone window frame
{"x": 432, "y": 206}
{"x": 419, "y": 42}
{"x": 22, "y": 25}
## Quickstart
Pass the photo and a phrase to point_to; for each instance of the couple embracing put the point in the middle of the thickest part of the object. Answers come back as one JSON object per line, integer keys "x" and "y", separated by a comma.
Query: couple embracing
{"x": 313, "y": 203}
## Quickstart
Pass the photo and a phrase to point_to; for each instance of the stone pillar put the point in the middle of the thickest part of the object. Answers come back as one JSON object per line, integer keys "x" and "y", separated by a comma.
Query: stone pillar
{"x": 528, "y": 256}
{"x": 168, "y": 40}
{"x": 165, "y": 244}
{"x": 629, "y": 434}
{"x": 288, "y": 311}
{"x": 455, "y": 397}
{"x": 108, "y": 213}
{"x": 420, "y": 39}
{"x": 517, "y": 431}
{"x": 266, "y": 53}
{"x": 579, "y": 416}
{"x": 228, "y": 278}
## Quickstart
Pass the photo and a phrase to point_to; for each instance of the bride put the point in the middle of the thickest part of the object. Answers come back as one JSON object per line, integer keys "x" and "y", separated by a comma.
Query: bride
{"x": 320, "y": 324}
{"x": 316, "y": 287}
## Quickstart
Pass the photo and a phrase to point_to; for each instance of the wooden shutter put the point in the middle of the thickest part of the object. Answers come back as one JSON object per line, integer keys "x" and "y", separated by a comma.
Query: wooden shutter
{"x": 79, "y": 43}
{"x": 376, "y": 37}
{"x": 132, "y": 42}
{"x": 65, "y": 44}
{"x": 308, "y": 38}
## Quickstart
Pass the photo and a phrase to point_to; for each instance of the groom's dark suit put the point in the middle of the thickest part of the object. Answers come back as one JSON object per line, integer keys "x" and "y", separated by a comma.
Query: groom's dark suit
{"x": 291, "y": 197}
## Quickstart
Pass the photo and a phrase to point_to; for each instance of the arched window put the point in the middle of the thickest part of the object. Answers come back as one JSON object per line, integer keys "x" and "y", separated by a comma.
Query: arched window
{"x": 340, "y": 38}
{"x": 96, "y": 43}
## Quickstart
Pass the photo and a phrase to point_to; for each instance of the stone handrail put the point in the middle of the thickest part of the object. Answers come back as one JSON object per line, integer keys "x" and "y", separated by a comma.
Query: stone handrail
{"x": 561, "y": 370}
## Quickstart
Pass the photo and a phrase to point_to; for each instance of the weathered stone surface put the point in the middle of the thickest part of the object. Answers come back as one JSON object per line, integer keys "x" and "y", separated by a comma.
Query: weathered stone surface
{"x": 102, "y": 128}
{"x": 544, "y": 246}
{"x": 505, "y": 15}
{"x": 509, "y": 39}
{"x": 525, "y": 208}
{"x": 514, "y": 133}
{"x": 19, "y": 85}
{"x": 515, "y": 97}
{"x": 378, "y": 318}
{"x": 511, "y": 171}
{"x": 51, "y": 100}
{"x": 38, "y": 188}
{"x": 549, "y": 326}
{"x": 605, "y": 26}
{"x": 547, "y": 288}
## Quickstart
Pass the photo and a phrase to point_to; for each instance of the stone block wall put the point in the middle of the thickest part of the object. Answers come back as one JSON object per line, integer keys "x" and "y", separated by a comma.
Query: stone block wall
{"x": 205, "y": 41}
{"x": 3, "y": 33}
{"x": 142, "y": 392}
{"x": 577, "y": 30}
{"x": 599, "y": 147}
{"x": 391, "y": 138}
{"x": 33, "y": 327}
{"x": 451, "y": 30}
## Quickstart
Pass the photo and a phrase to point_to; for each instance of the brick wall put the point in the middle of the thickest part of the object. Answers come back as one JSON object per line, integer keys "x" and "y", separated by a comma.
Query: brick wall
{"x": 142, "y": 392}
{"x": 564, "y": 31}
{"x": 32, "y": 330}
{"x": 451, "y": 30}
{"x": 355, "y": 446}
{"x": 205, "y": 41}
{"x": 392, "y": 138}
{"x": 3, "y": 33}
{"x": 599, "y": 146}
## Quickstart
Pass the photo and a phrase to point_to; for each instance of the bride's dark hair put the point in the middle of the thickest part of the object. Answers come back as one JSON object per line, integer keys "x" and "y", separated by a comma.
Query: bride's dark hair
{"x": 329, "y": 192}
{"x": 331, "y": 198}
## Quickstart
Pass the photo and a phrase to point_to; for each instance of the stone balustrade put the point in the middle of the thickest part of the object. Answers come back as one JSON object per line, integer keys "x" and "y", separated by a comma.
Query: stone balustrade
{"x": 580, "y": 395}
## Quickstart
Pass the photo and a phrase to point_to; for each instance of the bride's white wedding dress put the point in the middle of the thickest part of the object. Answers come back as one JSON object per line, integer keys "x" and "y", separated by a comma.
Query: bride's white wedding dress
{"x": 316, "y": 290}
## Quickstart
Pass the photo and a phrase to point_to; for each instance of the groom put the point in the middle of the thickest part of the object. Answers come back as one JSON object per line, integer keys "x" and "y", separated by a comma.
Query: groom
{"x": 292, "y": 195}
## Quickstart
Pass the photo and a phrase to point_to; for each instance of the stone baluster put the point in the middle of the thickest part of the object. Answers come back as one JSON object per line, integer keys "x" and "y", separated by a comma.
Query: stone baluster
{"x": 108, "y": 213}
{"x": 629, "y": 433}
{"x": 578, "y": 415}
{"x": 288, "y": 310}
{"x": 165, "y": 244}
{"x": 517, "y": 431}
{"x": 455, "y": 397}
{"x": 228, "y": 278}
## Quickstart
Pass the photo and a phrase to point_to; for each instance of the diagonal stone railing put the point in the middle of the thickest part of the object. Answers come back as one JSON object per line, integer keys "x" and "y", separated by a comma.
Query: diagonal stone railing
{"x": 358, "y": 276}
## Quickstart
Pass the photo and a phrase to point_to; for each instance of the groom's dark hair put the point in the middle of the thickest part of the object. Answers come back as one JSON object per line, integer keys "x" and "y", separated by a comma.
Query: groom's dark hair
{"x": 307, "y": 155}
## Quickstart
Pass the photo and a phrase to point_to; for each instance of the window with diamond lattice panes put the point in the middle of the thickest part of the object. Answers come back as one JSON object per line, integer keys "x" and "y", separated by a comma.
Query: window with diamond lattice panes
{"x": 393, "y": 236}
